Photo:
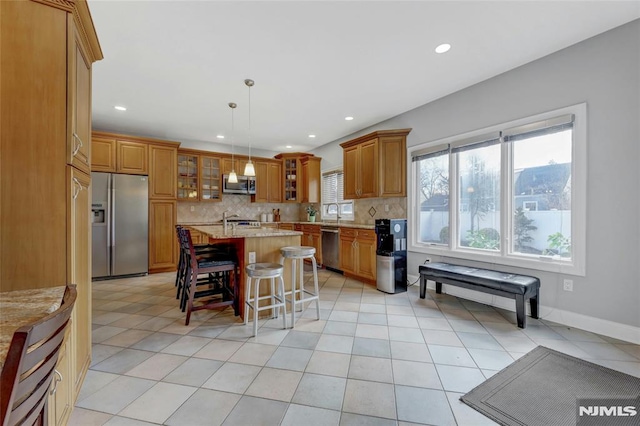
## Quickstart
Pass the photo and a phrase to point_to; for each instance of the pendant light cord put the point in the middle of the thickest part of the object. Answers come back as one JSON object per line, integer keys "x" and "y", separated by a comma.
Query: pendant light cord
{"x": 249, "y": 121}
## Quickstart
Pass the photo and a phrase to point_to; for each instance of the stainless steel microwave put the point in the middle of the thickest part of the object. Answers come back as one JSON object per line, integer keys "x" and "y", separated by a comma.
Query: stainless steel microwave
{"x": 245, "y": 185}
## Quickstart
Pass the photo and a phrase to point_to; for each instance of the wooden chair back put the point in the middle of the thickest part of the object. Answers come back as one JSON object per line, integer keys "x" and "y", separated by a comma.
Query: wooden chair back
{"x": 28, "y": 369}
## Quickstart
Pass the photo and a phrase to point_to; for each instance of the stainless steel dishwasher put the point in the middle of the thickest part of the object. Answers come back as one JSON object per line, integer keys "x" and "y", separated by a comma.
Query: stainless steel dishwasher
{"x": 330, "y": 247}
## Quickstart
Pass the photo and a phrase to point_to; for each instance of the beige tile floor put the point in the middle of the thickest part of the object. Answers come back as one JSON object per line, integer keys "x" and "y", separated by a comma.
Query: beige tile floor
{"x": 372, "y": 359}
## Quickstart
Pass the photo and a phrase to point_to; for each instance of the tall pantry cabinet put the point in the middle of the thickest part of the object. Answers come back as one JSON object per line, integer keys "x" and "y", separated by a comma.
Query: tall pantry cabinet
{"x": 48, "y": 48}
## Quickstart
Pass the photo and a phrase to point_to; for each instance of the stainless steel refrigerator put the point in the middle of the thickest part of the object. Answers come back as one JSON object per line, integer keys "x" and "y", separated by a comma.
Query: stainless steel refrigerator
{"x": 120, "y": 222}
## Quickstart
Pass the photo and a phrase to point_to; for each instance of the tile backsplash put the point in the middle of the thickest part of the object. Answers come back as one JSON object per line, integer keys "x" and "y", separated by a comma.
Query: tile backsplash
{"x": 366, "y": 210}
{"x": 369, "y": 209}
{"x": 209, "y": 212}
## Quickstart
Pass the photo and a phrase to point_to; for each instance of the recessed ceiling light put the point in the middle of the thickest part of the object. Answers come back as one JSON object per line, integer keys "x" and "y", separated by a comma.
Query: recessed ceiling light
{"x": 220, "y": 136}
{"x": 348, "y": 118}
{"x": 120, "y": 108}
{"x": 312, "y": 136}
{"x": 289, "y": 146}
{"x": 443, "y": 48}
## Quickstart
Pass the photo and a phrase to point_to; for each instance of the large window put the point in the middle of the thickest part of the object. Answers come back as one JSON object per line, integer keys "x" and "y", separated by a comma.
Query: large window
{"x": 511, "y": 194}
{"x": 332, "y": 197}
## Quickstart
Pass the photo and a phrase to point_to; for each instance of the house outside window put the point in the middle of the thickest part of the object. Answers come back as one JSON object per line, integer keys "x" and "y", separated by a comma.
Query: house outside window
{"x": 512, "y": 194}
{"x": 332, "y": 197}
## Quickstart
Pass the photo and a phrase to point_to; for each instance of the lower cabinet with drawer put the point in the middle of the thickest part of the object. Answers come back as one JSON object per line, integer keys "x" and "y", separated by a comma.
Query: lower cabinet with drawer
{"x": 358, "y": 253}
{"x": 312, "y": 237}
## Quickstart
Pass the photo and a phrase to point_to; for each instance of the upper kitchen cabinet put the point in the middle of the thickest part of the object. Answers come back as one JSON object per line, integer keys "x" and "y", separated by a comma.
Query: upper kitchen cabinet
{"x": 301, "y": 177}
{"x": 48, "y": 48}
{"x": 187, "y": 176}
{"x": 311, "y": 180}
{"x": 163, "y": 171}
{"x": 103, "y": 154}
{"x": 237, "y": 165}
{"x": 134, "y": 155}
{"x": 268, "y": 182}
{"x": 210, "y": 178}
{"x": 199, "y": 176}
{"x": 375, "y": 165}
{"x": 78, "y": 100}
{"x": 132, "y": 158}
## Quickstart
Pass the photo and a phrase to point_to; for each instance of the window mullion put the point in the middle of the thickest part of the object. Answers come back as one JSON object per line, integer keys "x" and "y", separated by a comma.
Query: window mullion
{"x": 454, "y": 212}
{"x": 506, "y": 202}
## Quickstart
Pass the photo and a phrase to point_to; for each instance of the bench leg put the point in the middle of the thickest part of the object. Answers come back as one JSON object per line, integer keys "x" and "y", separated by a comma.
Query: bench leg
{"x": 521, "y": 313}
{"x": 438, "y": 287}
{"x": 534, "y": 306}
{"x": 423, "y": 287}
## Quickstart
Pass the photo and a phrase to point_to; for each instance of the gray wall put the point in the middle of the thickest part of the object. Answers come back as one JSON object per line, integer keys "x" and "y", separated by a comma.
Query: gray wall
{"x": 604, "y": 72}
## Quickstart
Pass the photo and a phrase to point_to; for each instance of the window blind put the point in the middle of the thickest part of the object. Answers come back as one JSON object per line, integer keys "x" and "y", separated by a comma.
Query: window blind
{"x": 332, "y": 187}
{"x": 539, "y": 128}
{"x": 423, "y": 154}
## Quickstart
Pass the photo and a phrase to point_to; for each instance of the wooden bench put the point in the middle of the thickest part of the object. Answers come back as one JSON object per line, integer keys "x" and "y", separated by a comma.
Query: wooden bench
{"x": 518, "y": 287}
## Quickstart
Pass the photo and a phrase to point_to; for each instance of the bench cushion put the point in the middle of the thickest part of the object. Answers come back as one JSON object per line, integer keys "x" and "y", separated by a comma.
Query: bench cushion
{"x": 509, "y": 283}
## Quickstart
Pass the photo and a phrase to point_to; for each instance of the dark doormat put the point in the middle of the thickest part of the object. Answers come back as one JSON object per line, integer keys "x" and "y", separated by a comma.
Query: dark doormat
{"x": 544, "y": 388}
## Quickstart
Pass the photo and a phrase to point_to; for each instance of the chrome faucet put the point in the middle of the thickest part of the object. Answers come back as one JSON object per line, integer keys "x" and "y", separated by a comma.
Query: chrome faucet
{"x": 337, "y": 212}
{"x": 225, "y": 216}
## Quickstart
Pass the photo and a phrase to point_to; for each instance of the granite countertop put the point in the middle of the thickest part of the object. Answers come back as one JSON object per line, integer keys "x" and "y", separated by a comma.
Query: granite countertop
{"x": 216, "y": 231}
{"x": 334, "y": 224}
{"x": 23, "y": 307}
{"x": 341, "y": 225}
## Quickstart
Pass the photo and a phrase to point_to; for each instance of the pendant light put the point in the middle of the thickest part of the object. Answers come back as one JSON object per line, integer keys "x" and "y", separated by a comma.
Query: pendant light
{"x": 233, "y": 177}
{"x": 248, "y": 169}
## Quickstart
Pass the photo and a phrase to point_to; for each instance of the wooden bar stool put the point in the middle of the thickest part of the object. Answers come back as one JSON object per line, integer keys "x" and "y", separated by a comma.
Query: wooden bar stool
{"x": 297, "y": 254}
{"x": 258, "y": 272}
{"x": 222, "y": 278}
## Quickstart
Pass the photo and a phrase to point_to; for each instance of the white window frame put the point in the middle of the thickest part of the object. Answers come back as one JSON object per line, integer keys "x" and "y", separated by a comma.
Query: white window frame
{"x": 575, "y": 266}
{"x": 325, "y": 206}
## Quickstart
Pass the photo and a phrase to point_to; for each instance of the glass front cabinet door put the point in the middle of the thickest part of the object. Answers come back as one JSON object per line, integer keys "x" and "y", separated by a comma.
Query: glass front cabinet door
{"x": 187, "y": 177}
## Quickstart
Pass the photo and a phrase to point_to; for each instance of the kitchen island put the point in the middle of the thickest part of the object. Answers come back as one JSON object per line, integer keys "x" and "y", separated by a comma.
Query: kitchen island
{"x": 264, "y": 242}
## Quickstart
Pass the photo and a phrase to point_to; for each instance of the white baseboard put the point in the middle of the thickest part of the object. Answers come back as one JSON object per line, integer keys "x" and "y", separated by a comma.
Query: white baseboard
{"x": 603, "y": 327}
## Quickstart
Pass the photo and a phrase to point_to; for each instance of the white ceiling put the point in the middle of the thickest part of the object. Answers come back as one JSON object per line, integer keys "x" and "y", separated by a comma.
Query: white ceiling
{"x": 177, "y": 64}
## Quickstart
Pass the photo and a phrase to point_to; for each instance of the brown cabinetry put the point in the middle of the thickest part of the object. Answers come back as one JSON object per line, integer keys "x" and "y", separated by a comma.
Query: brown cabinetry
{"x": 375, "y": 165}
{"x": 187, "y": 176}
{"x": 162, "y": 235}
{"x": 79, "y": 272}
{"x": 160, "y": 160}
{"x": 199, "y": 176}
{"x": 103, "y": 154}
{"x": 358, "y": 253}
{"x": 132, "y": 158}
{"x": 48, "y": 48}
{"x": 237, "y": 164}
{"x": 163, "y": 167}
{"x": 268, "y": 182}
{"x": 61, "y": 386}
{"x": 78, "y": 101}
{"x": 301, "y": 177}
{"x": 311, "y": 180}
{"x": 210, "y": 179}
{"x": 312, "y": 237}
